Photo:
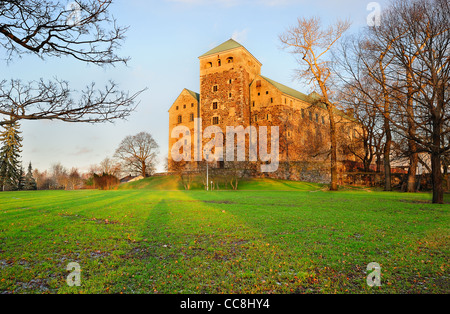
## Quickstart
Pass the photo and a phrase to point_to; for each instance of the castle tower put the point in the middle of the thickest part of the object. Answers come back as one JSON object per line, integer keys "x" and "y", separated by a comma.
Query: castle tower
{"x": 226, "y": 73}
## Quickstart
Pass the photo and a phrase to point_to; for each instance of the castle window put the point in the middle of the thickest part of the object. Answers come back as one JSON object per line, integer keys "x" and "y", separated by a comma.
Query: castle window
{"x": 323, "y": 120}
{"x": 271, "y": 100}
{"x": 180, "y": 119}
{"x": 303, "y": 113}
{"x": 215, "y": 88}
{"x": 209, "y": 65}
{"x": 215, "y": 120}
{"x": 253, "y": 104}
{"x": 310, "y": 116}
{"x": 259, "y": 94}
{"x": 215, "y": 105}
{"x": 192, "y": 105}
{"x": 258, "y": 83}
{"x": 184, "y": 106}
{"x": 230, "y": 81}
{"x": 255, "y": 118}
{"x": 230, "y": 95}
{"x": 317, "y": 117}
{"x": 191, "y": 117}
{"x": 267, "y": 92}
{"x": 219, "y": 63}
{"x": 177, "y": 107}
{"x": 230, "y": 60}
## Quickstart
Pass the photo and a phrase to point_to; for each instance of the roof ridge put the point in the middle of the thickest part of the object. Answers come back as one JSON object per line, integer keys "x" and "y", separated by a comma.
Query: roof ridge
{"x": 227, "y": 45}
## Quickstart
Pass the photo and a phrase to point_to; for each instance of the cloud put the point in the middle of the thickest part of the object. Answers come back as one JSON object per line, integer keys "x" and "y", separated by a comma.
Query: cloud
{"x": 83, "y": 151}
{"x": 240, "y": 36}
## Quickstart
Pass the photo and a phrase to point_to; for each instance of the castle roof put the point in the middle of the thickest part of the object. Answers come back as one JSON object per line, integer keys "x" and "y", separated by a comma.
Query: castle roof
{"x": 312, "y": 98}
{"x": 228, "y": 45}
{"x": 194, "y": 94}
{"x": 288, "y": 91}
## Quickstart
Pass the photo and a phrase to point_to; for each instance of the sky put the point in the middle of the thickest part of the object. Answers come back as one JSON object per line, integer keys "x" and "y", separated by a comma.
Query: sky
{"x": 164, "y": 40}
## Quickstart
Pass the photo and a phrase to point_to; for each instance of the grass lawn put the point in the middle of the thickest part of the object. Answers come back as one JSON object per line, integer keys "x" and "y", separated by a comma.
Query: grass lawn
{"x": 290, "y": 238}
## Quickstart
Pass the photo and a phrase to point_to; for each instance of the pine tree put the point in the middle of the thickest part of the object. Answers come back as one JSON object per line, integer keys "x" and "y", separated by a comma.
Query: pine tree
{"x": 30, "y": 182}
{"x": 9, "y": 156}
{"x": 20, "y": 179}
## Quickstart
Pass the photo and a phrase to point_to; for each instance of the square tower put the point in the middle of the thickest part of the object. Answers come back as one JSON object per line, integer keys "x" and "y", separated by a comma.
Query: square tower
{"x": 226, "y": 73}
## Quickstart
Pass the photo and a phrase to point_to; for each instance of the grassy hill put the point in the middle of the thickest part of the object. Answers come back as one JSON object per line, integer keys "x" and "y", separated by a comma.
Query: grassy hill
{"x": 173, "y": 183}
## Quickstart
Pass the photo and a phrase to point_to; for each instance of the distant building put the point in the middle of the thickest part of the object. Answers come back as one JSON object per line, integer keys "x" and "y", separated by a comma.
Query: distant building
{"x": 131, "y": 178}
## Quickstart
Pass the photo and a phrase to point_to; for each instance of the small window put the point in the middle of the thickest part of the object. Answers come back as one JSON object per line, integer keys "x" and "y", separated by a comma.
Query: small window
{"x": 230, "y": 81}
{"x": 192, "y": 105}
{"x": 258, "y": 83}
{"x": 267, "y": 92}
{"x": 177, "y": 108}
{"x": 180, "y": 119}
{"x": 255, "y": 118}
{"x": 310, "y": 116}
{"x": 253, "y": 104}
{"x": 184, "y": 106}
{"x": 191, "y": 117}
{"x": 230, "y": 60}
{"x": 230, "y": 95}
{"x": 215, "y": 88}
{"x": 215, "y": 120}
{"x": 271, "y": 100}
{"x": 303, "y": 113}
{"x": 259, "y": 94}
{"x": 209, "y": 65}
{"x": 219, "y": 62}
{"x": 323, "y": 120}
{"x": 317, "y": 117}
{"x": 215, "y": 105}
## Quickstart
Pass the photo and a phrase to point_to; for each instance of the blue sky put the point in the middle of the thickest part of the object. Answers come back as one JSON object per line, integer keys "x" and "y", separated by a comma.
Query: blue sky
{"x": 164, "y": 41}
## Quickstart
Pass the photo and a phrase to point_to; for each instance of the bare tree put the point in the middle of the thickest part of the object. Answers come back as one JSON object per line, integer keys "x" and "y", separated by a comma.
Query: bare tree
{"x": 310, "y": 43}
{"x": 138, "y": 153}
{"x": 84, "y": 31}
{"x": 407, "y": 56}
{"x": 111, "y": 167}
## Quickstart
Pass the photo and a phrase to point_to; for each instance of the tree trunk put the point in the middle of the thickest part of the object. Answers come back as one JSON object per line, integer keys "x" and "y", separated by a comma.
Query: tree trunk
{"x": 412, "y": 145}
{"x": 334, "y": 174}
{"x": 144, "y": 169}
{"x": 436, "y": 174}
{"x": 387, "y": 156}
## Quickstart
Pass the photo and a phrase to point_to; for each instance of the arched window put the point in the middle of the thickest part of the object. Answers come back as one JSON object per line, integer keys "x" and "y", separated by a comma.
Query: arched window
{"x": 209, "y": 65}
{"x": 219, "y": 62}
{"x": 230, "y": 60}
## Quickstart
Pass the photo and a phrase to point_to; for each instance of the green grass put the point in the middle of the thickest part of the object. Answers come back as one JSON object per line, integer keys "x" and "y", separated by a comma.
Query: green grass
{"x": 295, "y": 239}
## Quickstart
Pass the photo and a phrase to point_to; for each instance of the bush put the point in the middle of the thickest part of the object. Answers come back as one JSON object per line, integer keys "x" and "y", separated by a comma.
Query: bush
{"x": 105, "y": 181}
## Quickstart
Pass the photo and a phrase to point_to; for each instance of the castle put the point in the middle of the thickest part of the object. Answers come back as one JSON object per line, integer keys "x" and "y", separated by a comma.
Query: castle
{"x": 234, "y": 93}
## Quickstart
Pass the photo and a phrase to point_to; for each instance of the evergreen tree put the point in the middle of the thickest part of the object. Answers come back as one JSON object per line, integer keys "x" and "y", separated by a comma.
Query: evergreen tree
{"x": 9, "y": 156}
{"x": 30, "y": 182}
{"x": 21, "y": 179}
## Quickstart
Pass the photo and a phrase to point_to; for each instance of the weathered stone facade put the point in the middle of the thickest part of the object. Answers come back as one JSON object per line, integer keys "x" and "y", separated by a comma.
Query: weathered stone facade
{"x": 234, "y": 93}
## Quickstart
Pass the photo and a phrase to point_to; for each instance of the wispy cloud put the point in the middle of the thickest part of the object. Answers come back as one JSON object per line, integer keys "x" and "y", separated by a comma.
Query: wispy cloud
{"x": 240, "y": 36}
{"x": 83, "y": 151}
